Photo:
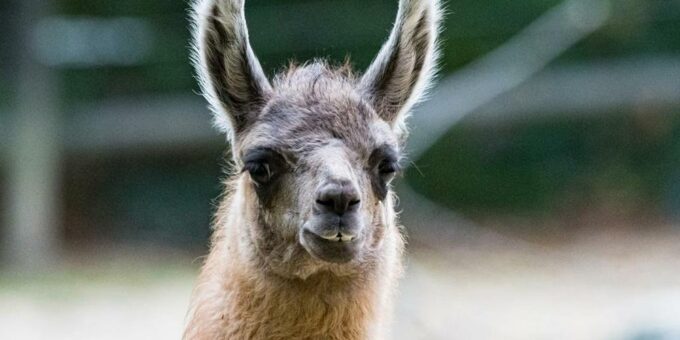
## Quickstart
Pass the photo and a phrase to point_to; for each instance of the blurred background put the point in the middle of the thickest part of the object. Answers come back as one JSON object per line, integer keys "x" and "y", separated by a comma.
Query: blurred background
{"x": 542, "y": 200}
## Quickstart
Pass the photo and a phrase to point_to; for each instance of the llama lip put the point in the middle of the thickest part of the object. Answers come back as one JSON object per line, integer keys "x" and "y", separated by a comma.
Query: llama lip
{"x": 340, "y": 249}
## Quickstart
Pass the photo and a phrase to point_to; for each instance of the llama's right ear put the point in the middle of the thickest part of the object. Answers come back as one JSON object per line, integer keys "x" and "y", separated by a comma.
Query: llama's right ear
{"x": 231, "y": 77}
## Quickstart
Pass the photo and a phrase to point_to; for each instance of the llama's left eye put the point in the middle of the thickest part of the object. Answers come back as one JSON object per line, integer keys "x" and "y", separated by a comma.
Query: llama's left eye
{"x": 385, "y": 162}
{"x": 388, "y": 167}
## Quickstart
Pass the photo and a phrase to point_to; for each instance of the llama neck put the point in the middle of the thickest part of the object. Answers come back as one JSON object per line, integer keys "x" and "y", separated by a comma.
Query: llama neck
{"x": 322, "y": 306}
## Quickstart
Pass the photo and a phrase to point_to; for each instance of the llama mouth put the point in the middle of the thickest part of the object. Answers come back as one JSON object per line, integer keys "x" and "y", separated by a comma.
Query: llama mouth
{"x": 337, "y": 249}
{"x": 339, "y": 237}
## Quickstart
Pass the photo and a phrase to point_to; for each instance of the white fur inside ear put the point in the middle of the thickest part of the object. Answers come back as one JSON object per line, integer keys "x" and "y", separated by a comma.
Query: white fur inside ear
{"x": 403, "y": 71}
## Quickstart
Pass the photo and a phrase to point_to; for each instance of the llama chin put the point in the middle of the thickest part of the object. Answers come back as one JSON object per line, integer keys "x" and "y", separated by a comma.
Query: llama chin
{"x": 306, "y": 241}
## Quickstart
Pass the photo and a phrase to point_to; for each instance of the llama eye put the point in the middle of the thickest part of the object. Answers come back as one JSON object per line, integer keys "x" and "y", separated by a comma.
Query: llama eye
{"x": 260, "y": 172}
{"x": 384, "y": 162}
{"x": 387, "y": 167}
{"x": 263, "y": 164}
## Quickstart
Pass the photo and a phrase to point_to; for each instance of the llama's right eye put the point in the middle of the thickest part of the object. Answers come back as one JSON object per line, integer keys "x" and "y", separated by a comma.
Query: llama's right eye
{"x": 260, "y": 172}
{"x": 262, "y": 164}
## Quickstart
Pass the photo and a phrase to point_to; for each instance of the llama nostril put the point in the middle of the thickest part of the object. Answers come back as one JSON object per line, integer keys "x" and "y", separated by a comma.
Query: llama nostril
{"x": 354, "y": 202}
{"x": 325, "y": 203}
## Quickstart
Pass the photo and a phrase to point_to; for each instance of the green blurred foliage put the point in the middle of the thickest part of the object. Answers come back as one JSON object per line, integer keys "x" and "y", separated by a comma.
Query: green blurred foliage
{"x": 636, "y": 27}
{"x": 545, "y": 166}
{"x": 153, "y": 198}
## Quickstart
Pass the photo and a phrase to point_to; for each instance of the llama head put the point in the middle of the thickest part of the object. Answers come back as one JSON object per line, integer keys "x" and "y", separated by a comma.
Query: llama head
{"x": 317, "y": 146}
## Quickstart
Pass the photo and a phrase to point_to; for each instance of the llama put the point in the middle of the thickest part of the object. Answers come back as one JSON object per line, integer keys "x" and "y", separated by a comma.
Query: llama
{"x": 306, "y": 242}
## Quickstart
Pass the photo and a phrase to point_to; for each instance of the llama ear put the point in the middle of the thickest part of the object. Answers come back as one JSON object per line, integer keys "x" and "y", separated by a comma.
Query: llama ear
{"x": 403, "y": 70}
{"x": 230, "y": 75}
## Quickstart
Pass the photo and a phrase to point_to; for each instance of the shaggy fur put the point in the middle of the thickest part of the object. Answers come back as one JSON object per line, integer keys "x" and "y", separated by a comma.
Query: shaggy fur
{"x": 319, "y": 124}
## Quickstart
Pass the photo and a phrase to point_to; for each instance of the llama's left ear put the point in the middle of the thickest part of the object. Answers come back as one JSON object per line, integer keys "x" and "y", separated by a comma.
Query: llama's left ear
{"x": 403, "y": 70}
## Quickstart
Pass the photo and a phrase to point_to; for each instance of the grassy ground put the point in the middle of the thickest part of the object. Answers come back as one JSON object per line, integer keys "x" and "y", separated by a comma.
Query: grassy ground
{"x": 604, "y": 286}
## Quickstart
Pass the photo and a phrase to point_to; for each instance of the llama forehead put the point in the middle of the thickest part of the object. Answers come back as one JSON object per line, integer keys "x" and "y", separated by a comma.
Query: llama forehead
{"x": 305, "y": 129}
{"x": 313, "y": 107}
